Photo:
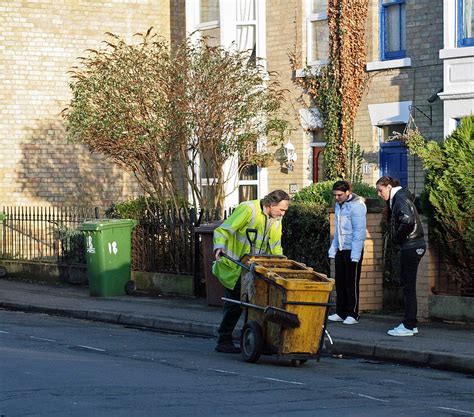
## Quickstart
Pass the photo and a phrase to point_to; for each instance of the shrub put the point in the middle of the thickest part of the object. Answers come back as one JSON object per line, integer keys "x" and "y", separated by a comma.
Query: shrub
{"x": 130, "y": 209}
{"x": 140, "y": 207}
{"x": 450, "y": 191}
{"x": 321, "y": 193}
{"x": 305, "y": 235}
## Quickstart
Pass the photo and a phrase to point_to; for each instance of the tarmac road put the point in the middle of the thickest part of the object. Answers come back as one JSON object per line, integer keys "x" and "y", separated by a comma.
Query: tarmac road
{"x": 55, "y": 366}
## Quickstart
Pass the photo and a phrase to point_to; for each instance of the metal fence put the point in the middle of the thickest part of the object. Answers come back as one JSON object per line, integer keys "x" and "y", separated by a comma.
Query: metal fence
{"x": 163, "y": 241}
{"x": 44, "y": 234}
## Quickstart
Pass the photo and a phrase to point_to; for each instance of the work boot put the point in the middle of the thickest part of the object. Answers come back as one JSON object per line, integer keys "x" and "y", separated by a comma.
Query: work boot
{"x": 227, "y": 346}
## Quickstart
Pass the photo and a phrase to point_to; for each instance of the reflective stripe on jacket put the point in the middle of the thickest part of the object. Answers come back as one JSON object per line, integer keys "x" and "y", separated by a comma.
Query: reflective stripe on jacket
{"x": 231, "y": 237}
{"x": 350, "y": 230}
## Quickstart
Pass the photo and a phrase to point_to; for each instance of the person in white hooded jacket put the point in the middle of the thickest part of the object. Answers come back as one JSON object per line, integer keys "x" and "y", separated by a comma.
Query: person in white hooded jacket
{"x": 347, "y": 248}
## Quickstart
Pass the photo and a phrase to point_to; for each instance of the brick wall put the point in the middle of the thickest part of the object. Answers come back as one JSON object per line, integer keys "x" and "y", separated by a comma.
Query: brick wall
{"x": 371, "y": 277}
{"x": 285, "y": 22}
{"x": 39, "y": 43}
{"x": 424, "y": 22}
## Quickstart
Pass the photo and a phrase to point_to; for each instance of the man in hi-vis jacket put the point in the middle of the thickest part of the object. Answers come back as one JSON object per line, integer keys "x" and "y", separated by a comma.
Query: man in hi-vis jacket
{"x": 231, "y": 238}
{"x": 347, "y": 249}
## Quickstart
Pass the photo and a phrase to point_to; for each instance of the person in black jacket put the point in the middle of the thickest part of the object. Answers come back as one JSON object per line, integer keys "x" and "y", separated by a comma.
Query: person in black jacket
{"x": 406, "y": 233}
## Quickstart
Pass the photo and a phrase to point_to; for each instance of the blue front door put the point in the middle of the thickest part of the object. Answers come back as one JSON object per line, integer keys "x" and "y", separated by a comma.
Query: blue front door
{"x": 393, "y": 160}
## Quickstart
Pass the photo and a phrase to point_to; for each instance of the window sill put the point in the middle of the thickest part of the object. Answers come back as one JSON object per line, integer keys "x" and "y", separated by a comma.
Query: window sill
{"x": 464, "y": 52}
{"x": 456, "y": 96}
{"x": 312, "y": 69}
{"x": 390, "y": 64}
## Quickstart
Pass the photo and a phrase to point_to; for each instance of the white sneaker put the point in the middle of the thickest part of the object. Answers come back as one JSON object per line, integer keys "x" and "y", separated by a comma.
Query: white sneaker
{"x": 401, "y": 330}
{"x": 350, "y": 320}
{"x": 335, "y": 317}
{"x": 415, "y": 330}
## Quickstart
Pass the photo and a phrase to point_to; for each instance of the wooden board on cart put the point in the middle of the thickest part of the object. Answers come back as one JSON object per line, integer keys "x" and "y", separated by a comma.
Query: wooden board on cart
{"x": 299, "y": 284}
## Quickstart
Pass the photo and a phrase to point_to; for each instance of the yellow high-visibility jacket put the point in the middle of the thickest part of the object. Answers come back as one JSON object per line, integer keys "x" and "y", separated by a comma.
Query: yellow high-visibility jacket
{"x": 231, "y": 237}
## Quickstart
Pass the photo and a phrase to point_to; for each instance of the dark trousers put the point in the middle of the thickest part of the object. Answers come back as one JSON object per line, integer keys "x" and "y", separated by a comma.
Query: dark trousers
{"x": 347, "y": 284}
{"x": 409, "y": 261}
{"x": 231, "y": 315}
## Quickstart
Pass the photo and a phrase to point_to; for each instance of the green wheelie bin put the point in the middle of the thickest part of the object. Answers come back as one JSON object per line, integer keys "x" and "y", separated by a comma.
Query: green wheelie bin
{"x": 108, "y": 254}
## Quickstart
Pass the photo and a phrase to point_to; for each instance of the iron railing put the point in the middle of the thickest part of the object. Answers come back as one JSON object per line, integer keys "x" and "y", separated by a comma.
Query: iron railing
{"x": 163, "y": 241}
{"x": 44, "y": 234}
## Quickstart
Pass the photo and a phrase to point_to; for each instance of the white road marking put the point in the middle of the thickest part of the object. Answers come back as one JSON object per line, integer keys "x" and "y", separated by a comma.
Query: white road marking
{"x": 455, "y": 409}
{"x": 369, "y": 397}
{"x": 256, "y": 377}
{"x": 282, "y": 380}
{"x": 222, "y": 371}
{"x": 91, "y": 348}
{"x": 4, "y": 332}
{"x": 41, "y": 338}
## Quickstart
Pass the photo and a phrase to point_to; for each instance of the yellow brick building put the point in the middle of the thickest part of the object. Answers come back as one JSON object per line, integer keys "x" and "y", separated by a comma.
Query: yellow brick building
{"x": 39, "y": 43}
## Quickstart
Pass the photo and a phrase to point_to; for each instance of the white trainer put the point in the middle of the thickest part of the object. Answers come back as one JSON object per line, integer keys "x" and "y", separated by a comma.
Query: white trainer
{"x": 335, "y": 317}
{"x": 401, "y": 330}
{"x": 415, "y": 330}
{"x": 350, "y": 320}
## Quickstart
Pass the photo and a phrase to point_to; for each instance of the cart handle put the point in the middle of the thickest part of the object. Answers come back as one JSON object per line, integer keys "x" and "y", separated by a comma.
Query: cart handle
{"x": 235, "y": 261}
{"x": 243, "y": 303}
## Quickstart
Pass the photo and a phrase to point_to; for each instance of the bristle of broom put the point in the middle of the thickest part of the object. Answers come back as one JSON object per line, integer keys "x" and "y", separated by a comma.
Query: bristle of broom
{"x": 282, "y": 317}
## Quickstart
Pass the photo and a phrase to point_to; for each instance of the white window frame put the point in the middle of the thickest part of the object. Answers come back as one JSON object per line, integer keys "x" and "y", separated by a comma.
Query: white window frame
{"x": 311, "y": 18}
{"x": 228, "y": 24}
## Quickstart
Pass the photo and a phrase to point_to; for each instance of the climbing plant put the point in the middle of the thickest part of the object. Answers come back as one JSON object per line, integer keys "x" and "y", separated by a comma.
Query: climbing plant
{"x": 337, "y": 88}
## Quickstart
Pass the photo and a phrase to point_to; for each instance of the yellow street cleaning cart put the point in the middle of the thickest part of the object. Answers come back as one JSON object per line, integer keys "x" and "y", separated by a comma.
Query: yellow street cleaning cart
{"x": 286, "y": 308}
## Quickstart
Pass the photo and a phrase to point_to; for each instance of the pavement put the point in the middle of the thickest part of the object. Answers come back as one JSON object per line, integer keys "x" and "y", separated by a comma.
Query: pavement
{"x": 448, "y": 346}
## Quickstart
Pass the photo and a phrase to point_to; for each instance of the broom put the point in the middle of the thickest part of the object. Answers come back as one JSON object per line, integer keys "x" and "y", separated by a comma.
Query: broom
{"x": 273, "y": 314}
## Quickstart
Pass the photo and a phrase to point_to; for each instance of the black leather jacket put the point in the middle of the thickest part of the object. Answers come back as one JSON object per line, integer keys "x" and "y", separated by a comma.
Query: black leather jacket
{"x": 406, "y": 227}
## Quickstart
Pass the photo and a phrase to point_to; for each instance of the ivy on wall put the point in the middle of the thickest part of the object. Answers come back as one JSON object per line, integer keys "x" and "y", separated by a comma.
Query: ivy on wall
{"x": 337, "y": 88}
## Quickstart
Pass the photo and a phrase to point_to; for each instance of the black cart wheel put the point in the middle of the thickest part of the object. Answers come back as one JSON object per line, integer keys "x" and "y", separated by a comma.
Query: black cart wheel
{"x": 298, "y": 362}
{"x": 251, "y": 341}
{"x": 131, "y": 287}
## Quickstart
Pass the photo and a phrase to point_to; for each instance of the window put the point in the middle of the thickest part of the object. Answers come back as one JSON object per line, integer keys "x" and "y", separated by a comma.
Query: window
{"x": 465, "y": 23}
{"x": 208, "y": 178}
{"x": 209, "y": 25}
{"x": 246, "y": 21}
{"x": 208, "y": 10}
{"x": 247, "y": 28}
{"x": 387, "y": 133}
{"x": 248, "y": 184}
{"x": 318, "y": 32}
{"x": 233, "y": 24}
{"x": 393, "y": 32}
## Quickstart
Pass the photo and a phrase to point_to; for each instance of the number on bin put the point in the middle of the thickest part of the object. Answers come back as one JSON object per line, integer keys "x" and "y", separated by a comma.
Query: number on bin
{"x": 113, "y": 247}
{"x": 90, "y": 246}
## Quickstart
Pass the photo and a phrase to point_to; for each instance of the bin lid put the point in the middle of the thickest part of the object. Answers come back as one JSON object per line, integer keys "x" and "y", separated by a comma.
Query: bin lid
{"x": 101, "y": 224}
{"x": 207, "y": 227}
